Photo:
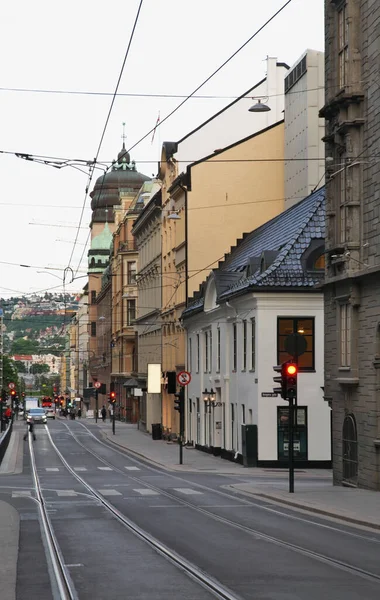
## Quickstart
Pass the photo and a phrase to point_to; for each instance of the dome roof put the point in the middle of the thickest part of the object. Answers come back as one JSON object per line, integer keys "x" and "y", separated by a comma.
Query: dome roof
{"x": 122, "y": 176}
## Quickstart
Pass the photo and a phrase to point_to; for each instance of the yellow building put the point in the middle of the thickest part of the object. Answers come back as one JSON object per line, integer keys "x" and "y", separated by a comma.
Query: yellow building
{"x": 232, "y": 191}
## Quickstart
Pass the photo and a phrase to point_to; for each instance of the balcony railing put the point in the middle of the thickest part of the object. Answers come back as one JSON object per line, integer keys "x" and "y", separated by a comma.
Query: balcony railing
{"x": 128, "y": 246}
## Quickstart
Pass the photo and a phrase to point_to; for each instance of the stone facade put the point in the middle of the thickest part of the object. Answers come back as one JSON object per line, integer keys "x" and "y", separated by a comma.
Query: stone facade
{"x": 352, "y": 288}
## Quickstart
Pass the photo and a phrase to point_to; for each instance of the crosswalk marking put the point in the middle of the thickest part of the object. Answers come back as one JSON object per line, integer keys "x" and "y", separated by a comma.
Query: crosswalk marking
{"x": 105, "y": 468}
{"x": 132, "y": 468}
{"x": 21, "y": 494}
{"x": 66, "y": 493}
{"x": 55, "y": 469}
{"x": 187, "y": 491}
{"x": 80, "y": 469}
{"x": 147, "y": 492}
{"x": 109, "y": 493}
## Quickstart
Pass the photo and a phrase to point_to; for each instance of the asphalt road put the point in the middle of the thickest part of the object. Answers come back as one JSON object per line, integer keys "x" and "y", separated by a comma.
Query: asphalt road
{"x": 253, "y": 549}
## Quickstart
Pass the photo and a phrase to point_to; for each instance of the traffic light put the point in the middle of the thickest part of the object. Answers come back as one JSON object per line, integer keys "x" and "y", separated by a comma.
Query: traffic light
{"x": 287, "y": 381}
{"x": 278, "y": 390}
{"x": 13, "y": 393}
{"x": 290, "y": 371}
{"x": 179, "y": 404}
{"x": 112, "y": 397}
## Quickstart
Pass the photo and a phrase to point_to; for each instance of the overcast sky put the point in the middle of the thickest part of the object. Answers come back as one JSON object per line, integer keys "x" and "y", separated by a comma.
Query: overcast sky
{"x": 79, "y": 45}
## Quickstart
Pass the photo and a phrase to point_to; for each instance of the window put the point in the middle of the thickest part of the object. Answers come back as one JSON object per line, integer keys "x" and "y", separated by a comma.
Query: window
{"x": 189, "y": 358}
{"x": 131, "y": 272}
{"x": 303, "y": 325}
{"x": 342, "y": 46}
{"x": 234, "y": 361}
{"x": 93, "y": 328}
{"x": 243, "y": 414}
{"x": 131, "y": 311}
{"x": 253, "y": 344}
{"x": 319, "y": 263}
{"x": 93, "y": 297}
{"x": 198, "y": 353}
{"x": 218, "y": 351}
{"x": 342, "y": 197}
{"x": 244, "y": 345}
{"x": 206, "y": 361}
{"x": 345, "y": 335}
{"x": 210, "y": 349}
{"x": 232, "y": 427}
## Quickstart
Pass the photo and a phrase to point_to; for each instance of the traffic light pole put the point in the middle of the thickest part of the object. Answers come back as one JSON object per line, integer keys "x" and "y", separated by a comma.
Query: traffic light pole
{"x": 181, "y": 424}
{"x": 96, "y": 405}
{"x": 113, "y": 418}
{"x": 291, "y": 446}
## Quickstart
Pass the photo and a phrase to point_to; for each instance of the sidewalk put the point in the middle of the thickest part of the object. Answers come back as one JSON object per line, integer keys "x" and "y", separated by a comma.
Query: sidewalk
{"x": 314, "y": 491}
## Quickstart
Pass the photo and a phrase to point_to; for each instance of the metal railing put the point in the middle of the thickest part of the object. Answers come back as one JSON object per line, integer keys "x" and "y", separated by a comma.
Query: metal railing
{"x": 4, "y": 440}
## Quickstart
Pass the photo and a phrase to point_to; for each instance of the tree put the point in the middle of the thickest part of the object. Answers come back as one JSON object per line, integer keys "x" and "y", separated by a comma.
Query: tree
{"x": 20, "y": 366}
{"x": 9, "y": 371}
{"x": 22, "y": 346}
{"x": 39, "y": 368}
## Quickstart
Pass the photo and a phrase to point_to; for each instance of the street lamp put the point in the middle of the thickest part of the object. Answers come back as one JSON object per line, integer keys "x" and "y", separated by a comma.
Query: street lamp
{"x": 259, "y": 107}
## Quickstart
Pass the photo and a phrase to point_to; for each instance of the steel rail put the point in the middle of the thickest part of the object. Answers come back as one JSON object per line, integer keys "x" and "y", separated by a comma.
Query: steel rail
{"x": 202, "y": 578}
{"x": 65, "y": 587}
{"x": 250, "y": 530}
{"x": 231, "y": 495}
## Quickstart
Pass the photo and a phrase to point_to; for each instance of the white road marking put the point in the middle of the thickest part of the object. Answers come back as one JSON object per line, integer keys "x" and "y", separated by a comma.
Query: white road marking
{"x": 187, "y": 491}
{"x": 109, "y": 493}
{"x": 80, "y": 469}
{"x": 132, "y": 468}
{"x": 105, "y": 468}
{"x": 22, "y": 494}
{"x": 74, "y": 565}
{"x": 147, "y": 492}
{"x": 66, "y": 493}
{"x": 55, "y": 469}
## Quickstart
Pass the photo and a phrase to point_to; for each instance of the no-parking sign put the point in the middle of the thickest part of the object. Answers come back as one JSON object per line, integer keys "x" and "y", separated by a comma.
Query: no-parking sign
{"x": 184, "y": 378}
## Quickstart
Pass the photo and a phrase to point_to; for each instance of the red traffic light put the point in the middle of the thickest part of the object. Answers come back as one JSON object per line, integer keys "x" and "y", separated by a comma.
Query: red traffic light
{"x": 13, "y": 392}
{"x": 291, "y": 370}
{"x": 112, "y": 396}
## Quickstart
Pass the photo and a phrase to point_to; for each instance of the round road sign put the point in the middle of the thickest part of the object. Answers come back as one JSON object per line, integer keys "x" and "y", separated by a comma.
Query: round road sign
{"x": 11, "y": 385}
{"x": 97, "y": 384}
{"x": 184, "y": 378}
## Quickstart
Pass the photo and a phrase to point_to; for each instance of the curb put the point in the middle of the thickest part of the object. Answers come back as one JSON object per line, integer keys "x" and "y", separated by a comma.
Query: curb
{"x": 312, "y": 509}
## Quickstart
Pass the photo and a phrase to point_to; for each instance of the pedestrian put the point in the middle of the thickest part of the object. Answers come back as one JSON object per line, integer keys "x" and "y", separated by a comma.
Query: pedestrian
{"x": 79, "y": 413}
{"x": 8, "y": 414}
{"x": 104, "y": 414}
{"x": 30, "y": 428}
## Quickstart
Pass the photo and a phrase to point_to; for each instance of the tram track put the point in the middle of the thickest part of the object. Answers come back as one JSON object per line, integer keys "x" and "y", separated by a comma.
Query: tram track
{"x": 65, "y": 589}
{"x": 63, "y": 582}
{"x": 373, "y": 577}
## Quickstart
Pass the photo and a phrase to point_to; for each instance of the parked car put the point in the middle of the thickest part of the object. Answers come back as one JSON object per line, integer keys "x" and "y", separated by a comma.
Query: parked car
{"x": 38, "y": 415}
{"x": 50, "y": 413}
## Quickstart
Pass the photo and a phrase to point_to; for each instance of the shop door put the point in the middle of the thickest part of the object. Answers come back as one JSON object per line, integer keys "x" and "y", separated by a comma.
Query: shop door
{"x": 299, "y": 436}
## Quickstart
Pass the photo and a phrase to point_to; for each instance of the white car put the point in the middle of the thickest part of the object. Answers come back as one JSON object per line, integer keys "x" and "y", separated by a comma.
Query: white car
{"x": 50, "y": 413}
{"x": 37, "y": 415}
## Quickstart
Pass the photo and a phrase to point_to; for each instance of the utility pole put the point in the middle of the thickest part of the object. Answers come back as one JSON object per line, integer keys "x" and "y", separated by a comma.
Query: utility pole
{"x": 96, "y": 405}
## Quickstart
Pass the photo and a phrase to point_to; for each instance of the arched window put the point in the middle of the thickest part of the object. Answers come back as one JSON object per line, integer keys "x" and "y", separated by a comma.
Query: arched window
{"x": 319, "y": 263}
{"x": 350, "y": 449}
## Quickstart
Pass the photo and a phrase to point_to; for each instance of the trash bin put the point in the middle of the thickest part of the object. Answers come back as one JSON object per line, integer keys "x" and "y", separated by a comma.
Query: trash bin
{"x": 249, "y": 445}
{"x": 156, "y": 431}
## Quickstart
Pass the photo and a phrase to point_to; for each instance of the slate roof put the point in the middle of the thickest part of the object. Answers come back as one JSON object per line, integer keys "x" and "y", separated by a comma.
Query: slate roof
{"x": 270, "y": 256}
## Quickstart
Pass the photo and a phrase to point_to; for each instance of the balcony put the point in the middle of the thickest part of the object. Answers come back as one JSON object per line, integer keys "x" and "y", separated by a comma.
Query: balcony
{"x": 127, "y": 246}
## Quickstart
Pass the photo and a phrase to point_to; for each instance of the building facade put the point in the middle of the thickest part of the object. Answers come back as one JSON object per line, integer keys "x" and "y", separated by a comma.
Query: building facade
{"x": 304, "y": 129}
{"x": 237, "y": 328}
{"x": 147, "y": 234}
{"x": 215, "y": 201}
{"x": 352, "y": 309}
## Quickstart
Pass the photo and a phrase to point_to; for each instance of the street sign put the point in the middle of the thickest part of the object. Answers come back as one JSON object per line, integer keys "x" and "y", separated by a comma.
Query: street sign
{"x": 295, "y": 344}
{"x": 11, "y": 385}
{"x": 184, "y": 378}
{"x": 269, "y": 395}
{"x": 97, "y": 384}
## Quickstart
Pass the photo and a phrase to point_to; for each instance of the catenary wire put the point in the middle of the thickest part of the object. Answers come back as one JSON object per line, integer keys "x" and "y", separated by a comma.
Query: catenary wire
{"x": 106, "y": 125}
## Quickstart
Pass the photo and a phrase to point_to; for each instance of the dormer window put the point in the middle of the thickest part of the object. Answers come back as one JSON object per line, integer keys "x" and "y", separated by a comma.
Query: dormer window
{"x": 319, "y": 263}
{"x": 313, "y": 259}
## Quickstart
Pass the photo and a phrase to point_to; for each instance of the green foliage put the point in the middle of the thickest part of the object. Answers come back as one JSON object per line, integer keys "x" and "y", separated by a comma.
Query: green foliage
{"x": 22, "y": 346}
{"x": 39, "y": 368}
{"x": 9, "y": 371}
{"x": 20, "y": 366}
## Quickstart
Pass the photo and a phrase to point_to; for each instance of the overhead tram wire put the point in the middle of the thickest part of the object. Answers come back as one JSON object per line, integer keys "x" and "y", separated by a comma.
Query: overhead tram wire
{"x": 198, "y": 88}
{"x": 212, "y": 75}
{"x": 105, "y": 127}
